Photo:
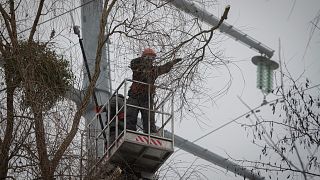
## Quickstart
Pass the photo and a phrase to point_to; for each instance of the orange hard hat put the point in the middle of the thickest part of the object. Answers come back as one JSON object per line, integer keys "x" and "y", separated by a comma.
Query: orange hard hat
{"x": 149, "y": 51}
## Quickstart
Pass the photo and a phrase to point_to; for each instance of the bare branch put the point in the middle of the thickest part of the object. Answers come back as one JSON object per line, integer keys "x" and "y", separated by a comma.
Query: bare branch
{"x": 36, "y": 20}
{"x": 7, "y": 19}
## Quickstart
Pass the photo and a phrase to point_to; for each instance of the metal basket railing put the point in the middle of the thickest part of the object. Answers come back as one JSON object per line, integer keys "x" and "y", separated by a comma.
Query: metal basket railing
{"x": 162, "y": 108}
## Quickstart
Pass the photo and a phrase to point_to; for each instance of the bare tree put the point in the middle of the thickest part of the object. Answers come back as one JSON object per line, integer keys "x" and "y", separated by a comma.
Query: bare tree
{"x": 173, "y": 34}
{"x": 45, "y": 148}
{"x": 289, "y": 139}
{"x": 23, "y": 61}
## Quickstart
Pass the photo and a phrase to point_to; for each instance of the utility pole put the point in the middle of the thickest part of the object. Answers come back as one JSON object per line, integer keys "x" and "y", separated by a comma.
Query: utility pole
{"x": 90, "y": 22}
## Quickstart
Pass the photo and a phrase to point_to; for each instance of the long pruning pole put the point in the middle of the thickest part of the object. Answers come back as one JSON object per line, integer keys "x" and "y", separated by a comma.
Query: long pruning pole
{"x": 77, "y": 32}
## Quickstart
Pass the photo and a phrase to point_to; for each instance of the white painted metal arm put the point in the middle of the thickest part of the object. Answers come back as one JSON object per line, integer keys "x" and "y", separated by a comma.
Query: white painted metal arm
{"x": 207, "y": 155}
{"x": 193, "y": 9}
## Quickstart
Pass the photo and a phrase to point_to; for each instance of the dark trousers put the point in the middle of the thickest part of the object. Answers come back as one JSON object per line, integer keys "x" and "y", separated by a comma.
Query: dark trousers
{"x": 132, "y": 113}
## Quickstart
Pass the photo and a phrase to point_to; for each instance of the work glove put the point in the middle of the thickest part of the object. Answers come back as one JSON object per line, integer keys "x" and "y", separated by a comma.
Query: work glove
{"x": 98, "y": 109}
{"x": 178, "y": 60}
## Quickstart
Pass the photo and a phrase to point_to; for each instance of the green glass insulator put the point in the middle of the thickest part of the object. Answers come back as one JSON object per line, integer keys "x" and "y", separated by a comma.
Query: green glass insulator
{"x": 265, "y": 69}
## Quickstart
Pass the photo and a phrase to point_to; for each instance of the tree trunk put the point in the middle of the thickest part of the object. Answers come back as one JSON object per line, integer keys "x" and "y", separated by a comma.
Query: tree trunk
{"x": 5, "y": 144}
{"x": 44, "y": 164}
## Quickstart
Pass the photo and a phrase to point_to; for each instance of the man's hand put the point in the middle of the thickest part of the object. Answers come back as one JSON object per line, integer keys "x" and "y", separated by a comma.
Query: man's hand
{"x": 98, "y": 109}
{"x": 178, "y": 60}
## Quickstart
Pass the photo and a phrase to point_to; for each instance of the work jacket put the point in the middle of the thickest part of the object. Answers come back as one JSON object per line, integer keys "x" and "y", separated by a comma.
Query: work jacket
{"x": 145, "y": 72}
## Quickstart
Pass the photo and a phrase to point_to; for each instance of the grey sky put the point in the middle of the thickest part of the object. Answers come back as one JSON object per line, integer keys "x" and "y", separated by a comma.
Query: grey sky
{"x": 267, "y": 21}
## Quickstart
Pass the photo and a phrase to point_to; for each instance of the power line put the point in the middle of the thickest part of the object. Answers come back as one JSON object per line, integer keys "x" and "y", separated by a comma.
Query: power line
{"x": 233, "y": 120}
{"x": 58, "y": 15}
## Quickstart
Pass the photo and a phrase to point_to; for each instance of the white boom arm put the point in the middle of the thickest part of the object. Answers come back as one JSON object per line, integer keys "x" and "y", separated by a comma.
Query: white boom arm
{"x": 209, "y": 156}
{"x": 193, "y": 9}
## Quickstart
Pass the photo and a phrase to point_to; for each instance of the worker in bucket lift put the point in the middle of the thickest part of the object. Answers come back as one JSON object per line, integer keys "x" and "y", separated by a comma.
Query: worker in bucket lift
{"x": 140, "y": 94}
{"x": 114, "y": 100}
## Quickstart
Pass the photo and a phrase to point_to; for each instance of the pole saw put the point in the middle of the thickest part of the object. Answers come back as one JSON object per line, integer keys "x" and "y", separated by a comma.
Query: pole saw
{"x": 77, "y": 32}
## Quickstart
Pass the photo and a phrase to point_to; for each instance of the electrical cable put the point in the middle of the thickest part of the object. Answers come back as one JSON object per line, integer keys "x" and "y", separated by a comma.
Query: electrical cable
{"x": 58, "y": 16}
{"x": 233, "y": 120}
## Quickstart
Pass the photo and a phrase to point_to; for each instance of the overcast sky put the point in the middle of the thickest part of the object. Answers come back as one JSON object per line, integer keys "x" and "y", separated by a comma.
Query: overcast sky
{"x": 268, "y": 21}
